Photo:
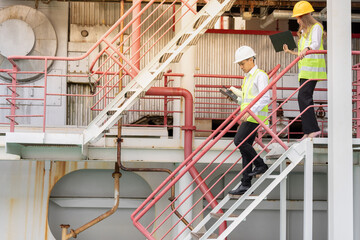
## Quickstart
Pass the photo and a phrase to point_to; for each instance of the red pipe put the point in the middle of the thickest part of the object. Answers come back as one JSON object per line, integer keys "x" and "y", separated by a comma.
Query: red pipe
{"x": 188, "y": 138}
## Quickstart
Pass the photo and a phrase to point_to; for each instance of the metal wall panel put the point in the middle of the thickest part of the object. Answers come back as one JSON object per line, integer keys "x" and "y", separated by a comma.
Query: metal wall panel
{"x": 216, "y": 53}
{"x": 90, "y": 13}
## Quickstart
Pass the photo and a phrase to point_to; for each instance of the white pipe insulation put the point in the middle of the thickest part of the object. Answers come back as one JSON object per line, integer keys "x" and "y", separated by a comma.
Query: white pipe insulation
{"x": 286, "y": 14}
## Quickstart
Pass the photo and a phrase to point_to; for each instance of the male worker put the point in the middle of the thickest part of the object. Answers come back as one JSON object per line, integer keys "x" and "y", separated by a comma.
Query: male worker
{"x": 254, "y": 82}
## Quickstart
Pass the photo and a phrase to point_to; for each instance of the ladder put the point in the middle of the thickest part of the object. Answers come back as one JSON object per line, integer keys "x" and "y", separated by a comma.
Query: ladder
{"x": 172, "y": 52}
{"x": 294, "y": 154}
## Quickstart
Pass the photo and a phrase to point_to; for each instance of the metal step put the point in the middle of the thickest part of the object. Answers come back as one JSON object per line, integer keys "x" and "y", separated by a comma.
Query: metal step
{"x": 197, "y": 235}
{"x": 200, "y": 21}
{"x": 250, "y": 197}
{"x": 167, "y": 55}
{"x": 232, "y": 217}
{"x": 159, "y": 76}
{"x": 186, "y": 36}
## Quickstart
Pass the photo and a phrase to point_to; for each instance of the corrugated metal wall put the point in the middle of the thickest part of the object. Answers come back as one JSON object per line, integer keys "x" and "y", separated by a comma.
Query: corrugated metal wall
{"x": 216, "y": 53}
{"x": 91, "y": 13}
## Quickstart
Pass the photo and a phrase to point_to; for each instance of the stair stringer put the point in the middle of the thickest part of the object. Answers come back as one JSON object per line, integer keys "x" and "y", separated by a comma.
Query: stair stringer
{"x": 295, "y": 154}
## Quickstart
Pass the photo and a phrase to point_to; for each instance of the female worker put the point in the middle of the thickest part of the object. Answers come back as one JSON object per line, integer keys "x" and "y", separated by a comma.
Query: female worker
{"x": 310, "y": 66}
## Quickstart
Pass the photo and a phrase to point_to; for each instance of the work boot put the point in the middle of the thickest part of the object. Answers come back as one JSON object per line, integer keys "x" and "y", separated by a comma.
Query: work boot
{"x": 240, "y": 190}
{"x": 258, "y": 170}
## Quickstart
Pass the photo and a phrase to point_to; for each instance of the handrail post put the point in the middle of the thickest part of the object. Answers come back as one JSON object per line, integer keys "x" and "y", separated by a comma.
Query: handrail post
{"x": 274, "y": 105}
{"x": 45, "y": 92}
{"x": 357, "y": 128}
{"x": 135, "y": 37}
{"x": 13, "y": 99}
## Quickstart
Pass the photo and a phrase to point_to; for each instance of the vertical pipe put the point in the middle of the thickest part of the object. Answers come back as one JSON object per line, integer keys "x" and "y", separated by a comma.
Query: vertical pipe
{"x": 135, "y": 53}
{"x": 166, "y": 101}
{"x": 340, "y": 156}
{"x": 64, "y": 228}
{"x": 308, "y": 191}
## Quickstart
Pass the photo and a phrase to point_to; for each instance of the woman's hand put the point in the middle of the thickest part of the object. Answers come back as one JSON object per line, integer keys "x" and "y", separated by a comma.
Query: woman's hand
{"x": 303, "y": 53}
{"x": 286, "y": 48}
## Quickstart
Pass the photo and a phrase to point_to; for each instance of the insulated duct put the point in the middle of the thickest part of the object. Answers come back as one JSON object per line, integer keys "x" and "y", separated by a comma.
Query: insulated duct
{"x": 25, "y": 31}
{"x": 286, "y": 14}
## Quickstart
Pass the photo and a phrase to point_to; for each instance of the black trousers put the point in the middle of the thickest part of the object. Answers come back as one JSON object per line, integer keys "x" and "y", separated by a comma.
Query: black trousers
{"x": 305, "y": 99}
{"x": 246, "y": 149}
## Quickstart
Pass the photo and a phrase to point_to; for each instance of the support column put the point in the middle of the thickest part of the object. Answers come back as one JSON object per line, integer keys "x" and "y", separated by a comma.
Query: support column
{"x": 356, "y": 200}
{"x": 283, "y": 204}
{"x": 340, "y": 173}
{"x": 308, "y": 191}
{"x": 187, "y": 67}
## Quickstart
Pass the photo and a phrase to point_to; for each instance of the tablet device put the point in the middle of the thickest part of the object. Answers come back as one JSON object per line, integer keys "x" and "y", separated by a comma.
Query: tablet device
{"x": 228, "y": 93}
{"x": 279, "y": 39}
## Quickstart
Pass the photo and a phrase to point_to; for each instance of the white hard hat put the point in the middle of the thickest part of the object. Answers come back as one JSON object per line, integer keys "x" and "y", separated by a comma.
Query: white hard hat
{"x": 244, "y": 52}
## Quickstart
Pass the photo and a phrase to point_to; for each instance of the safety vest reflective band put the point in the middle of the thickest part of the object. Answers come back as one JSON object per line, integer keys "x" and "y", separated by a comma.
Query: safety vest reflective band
{"x": 249, "y": 95}
{"x": 312, "y": 66}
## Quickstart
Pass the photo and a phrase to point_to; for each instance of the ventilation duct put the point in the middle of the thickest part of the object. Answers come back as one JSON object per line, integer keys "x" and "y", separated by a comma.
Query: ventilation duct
{"x": 25, "y": 31}
{"x": 286, "y": 14}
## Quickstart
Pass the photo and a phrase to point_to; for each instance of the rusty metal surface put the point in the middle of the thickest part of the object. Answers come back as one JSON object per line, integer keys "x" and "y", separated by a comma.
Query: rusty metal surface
{"x": 25, "y": 199}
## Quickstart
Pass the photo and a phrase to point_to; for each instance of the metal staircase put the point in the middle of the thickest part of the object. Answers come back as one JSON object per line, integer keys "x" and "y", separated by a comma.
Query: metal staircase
{"x": 172, "y": 52}
{"x": 294, "y": 154}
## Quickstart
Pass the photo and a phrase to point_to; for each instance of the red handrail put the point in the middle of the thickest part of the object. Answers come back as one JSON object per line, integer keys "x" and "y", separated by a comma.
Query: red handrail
{"x": 200, "y": 152}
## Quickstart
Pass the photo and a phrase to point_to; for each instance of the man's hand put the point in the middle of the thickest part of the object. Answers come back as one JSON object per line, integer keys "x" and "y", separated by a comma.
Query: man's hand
{"x": 245, "y": 117}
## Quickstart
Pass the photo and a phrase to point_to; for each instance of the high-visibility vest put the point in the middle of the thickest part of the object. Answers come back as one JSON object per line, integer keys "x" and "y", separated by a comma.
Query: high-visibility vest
{"x": 312, "y": 66}
{"x": 249, "y": 95}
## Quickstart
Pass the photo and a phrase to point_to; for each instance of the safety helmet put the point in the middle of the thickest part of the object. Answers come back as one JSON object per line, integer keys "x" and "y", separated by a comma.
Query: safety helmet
{"x": 302, "y": 8}
{"x": 244, "y": 52}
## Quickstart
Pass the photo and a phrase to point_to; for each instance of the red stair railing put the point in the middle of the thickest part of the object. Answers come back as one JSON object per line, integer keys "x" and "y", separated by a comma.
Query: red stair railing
{"x": 114, "y": 63}
{"x": 152, "y": 229}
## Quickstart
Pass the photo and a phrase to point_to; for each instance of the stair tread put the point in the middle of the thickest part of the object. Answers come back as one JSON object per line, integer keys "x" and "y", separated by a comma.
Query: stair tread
{"x": 238, "y": 196}
{"x": 198, "y": 235}
{"x": 219, "y": 215}
{"x": 273, "y": 156}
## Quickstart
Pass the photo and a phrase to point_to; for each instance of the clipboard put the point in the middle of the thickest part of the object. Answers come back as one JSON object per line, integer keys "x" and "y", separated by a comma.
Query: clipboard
{"x": 279, "y": 39}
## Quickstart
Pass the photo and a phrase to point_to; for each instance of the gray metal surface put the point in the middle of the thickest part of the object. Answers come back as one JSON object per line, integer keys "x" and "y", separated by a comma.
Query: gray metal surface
{"x": 42, "y": 43}
{"x": 12, "y": 35}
